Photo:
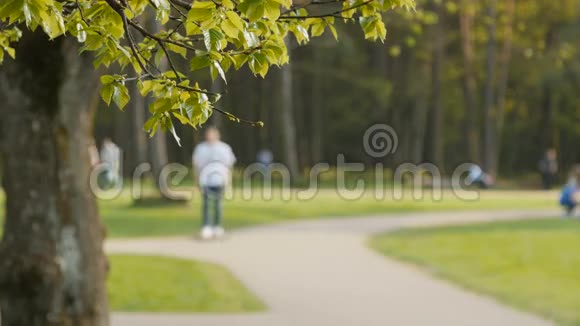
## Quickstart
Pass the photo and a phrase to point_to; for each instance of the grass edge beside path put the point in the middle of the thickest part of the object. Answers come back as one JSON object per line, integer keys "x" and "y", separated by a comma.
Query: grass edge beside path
{"x": 530, "y": 265}
{"x": 140, "y": 283}
{"x": 123, "y": 219}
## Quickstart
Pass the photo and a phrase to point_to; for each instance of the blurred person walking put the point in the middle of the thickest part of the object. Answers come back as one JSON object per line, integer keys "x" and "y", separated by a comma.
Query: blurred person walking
{"x": 548, "y": 167}
{"x": 265, "y": 158}
{"x": 570, "y": 197}
{"x": 213, "y": 161}
{"x": 111, "y": 157}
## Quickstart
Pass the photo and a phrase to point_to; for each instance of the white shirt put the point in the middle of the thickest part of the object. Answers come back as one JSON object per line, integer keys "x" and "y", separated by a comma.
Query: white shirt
{"x": 111, "y": 155}
{"x": 213, "y": 163}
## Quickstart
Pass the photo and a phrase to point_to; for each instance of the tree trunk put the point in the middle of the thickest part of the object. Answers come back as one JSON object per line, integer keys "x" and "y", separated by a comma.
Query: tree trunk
{"x": 287, "y": 120}
{"x": 265, "y": 113}
{"x": 158, "y": 145}
{"x": 158, "y": 155}
{"x": 317, "y": 107}
{"x": 546, "y": 129}
{"x": 420, "y": 111}
{"x": 469, "y": 81}
{"x": 217, "y": 87}
{"x": 138, "y": 113}
{"x": 52, "y": 265}
{"x": 548, "y": 102}
{"x": 299, "y": 92}
{"x": 490, "y": 145}
{"x": 121, "y": 136}
{"x": 437, "y": 141}
{"x": 505, "y": 58}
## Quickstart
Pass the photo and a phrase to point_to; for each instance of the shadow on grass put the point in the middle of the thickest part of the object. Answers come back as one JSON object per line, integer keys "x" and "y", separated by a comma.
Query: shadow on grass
{"x": 159, "y": 202}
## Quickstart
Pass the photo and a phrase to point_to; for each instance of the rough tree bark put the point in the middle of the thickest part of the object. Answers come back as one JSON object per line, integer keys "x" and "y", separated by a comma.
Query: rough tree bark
{"x": 52, "y": 265}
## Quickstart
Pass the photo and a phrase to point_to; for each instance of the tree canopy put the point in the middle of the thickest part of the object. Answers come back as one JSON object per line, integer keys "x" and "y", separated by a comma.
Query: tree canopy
{"x": 152, "y": 42}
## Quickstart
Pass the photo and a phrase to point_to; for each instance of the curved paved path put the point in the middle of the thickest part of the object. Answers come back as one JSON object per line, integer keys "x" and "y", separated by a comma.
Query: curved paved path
{"x": 320, "y": 273}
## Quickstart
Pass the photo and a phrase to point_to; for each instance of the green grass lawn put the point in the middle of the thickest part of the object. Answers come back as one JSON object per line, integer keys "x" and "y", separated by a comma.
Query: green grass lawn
{"x": 532, "y": 265}
{"x": 161, "y": 284}
{"x": 123, "y": 219}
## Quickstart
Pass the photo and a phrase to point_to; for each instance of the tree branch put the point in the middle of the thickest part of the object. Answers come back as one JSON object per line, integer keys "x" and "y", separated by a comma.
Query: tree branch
{"x": 181, "y": 3}
{"x": 332, "y": 14}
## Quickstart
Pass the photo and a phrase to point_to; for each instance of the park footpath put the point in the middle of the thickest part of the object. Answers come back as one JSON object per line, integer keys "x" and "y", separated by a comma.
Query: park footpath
{"x": 321, "y": 273}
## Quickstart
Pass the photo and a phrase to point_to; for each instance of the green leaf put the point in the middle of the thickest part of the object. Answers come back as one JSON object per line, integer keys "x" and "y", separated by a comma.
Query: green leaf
{"x": 216, "y": 65}
{"x": 183, "y": 119}
{"x": 333, "y": 31}
{"x": 271, "y": 10}
{"x": 201, "y": 11}
{"x": 121, "y": 95}
{"x": 107, "y": 93}
{"x": 11, "y": 52}
{"x": 239, "y": 60}
{"x": 285, "y": 3}
{"x": 235, "y": 20}
{"x": 230, "y": 29}
{"x": 373, "y": 27}
{"x": 145, "y": 87}
{"x": 151, "y": 125}
{"x": 213, "y": 39}
{"x": 317, "y": 29}
{"x": 228, "y": 4}
{"x": 162, "y": 11}
{"x": 253, "y": 9}
{"x": 161, "y": 105}
{"x": 258, "y": 64}
{"x": 27, "y": 14}
{"x": 173, "y": 132}
{"x": 199, "y": 62}
{"x": 301, "y": 34}
{"x": 251, "y": 39}
{"x": 177, "y": 49}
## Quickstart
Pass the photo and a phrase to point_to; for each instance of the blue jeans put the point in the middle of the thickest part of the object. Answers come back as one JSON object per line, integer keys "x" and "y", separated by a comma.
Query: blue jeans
{"x": 212, "y": 196}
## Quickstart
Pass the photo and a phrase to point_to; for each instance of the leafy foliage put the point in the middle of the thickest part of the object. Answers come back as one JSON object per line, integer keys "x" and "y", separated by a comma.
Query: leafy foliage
{"x": 215, "y": 36}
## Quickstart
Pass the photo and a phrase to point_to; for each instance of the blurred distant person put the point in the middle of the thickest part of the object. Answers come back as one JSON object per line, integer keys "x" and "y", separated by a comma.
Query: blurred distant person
{"x": 111, "y": 158}
{"x": 265, "y": 159}
{"x": 213, "y": 161}
{"x": 571, "y": 194}
{"x": 478, "y": 177}
{"x": 548, "y": 167}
